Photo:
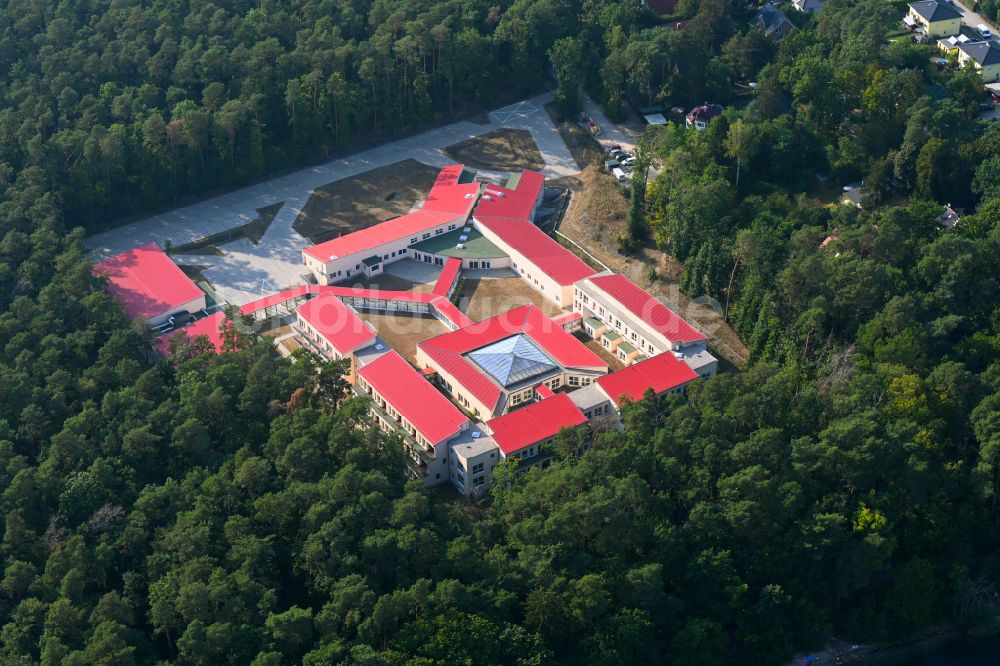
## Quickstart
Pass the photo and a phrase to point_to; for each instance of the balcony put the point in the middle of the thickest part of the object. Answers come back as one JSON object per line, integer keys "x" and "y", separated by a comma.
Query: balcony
{"x": 419, "y": 454}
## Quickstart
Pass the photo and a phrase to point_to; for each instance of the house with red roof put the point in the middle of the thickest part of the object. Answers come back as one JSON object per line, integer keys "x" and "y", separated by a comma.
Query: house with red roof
{"x": 367, "y": 251}
{"x": 332, "y": 329}
{"x": 524, "y": 433}
{"x": 207, "y": 328}
{"x": 661, "y": 374}
{"x": 149, "y": 285}
{"x": 403, "y": 400}
{"x": 495, "y": 365}
{"x": 633, "y": 325}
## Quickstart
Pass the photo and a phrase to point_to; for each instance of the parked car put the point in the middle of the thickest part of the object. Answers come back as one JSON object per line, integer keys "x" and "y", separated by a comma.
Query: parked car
{"x": 983, "y": 31}
{"x": 618, "y": 154}
{"x": 611, "y": 165}
{"x": 614, "y": 146}
{"x": 629, "y": 161}
{"x": 620, "y": 175}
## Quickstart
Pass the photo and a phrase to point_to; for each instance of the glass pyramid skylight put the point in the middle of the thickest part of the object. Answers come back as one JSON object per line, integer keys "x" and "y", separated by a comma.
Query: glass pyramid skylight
{"x": 512, "y": 360}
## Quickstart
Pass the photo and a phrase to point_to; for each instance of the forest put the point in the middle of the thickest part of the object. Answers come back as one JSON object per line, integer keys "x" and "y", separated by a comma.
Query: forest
{"x": 237, "y": 508}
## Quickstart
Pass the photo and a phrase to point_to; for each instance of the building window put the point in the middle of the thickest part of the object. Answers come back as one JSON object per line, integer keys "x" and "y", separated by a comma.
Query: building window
{"x": 438, "y": 232}
{"x": 451, "y": 227}
{"x": 477, "y": 481}
{"x": 574, "y": 381}
{"x": 477, "y": 468}
{"x": 426, "y": 236}
{"x": 413, "y": 240}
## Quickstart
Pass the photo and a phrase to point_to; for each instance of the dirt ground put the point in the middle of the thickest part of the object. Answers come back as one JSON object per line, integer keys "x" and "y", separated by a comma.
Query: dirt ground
{"x": 363, "y": 200}
{"x": 596, "y": 217}
{"x": 403, "y": 332}
{"x": 503, "y": 150}
{"x": 482, "y": 299}
{"x": 606, "y": 356}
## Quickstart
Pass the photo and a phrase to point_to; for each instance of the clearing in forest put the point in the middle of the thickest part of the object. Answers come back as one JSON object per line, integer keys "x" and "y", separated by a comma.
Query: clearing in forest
{"x": 363, "y": 200}
{"x": 504, "y": 149}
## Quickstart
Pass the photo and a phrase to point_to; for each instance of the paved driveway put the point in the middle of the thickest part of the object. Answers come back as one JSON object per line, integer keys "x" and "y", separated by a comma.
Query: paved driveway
{"x": 246, "y": 269}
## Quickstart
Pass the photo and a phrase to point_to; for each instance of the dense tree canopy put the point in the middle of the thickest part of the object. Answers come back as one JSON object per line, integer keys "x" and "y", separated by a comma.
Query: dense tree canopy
{"x": 237, "y": 508}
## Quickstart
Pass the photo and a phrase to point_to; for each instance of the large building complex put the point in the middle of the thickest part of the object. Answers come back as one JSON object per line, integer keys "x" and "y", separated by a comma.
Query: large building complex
{"x": 501, "y": 388}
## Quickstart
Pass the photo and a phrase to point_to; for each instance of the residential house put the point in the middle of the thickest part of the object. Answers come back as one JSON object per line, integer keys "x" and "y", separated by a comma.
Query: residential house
{"x": 700, "y": 116}
{"x": 772, "y": 22}
{"x": 808, "y": 6}
{"x": 984, "y": 56}
{"x": 934, "y": 19}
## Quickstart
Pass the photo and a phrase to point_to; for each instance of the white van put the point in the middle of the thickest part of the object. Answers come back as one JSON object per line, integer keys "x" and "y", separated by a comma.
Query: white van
{"x": 620, "y": 175}
{"x": 983, "y": 31}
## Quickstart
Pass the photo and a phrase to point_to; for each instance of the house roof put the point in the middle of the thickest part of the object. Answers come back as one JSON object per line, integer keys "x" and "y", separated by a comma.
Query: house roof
{"x": 659, "y": 373}
{"x": 648, "y": 309}
{"x": 770, "y": 19}
{"x": 515, "y": 203}
{"x": 535, "y": 423}
{"x": 704, "y": 113}
{"x": 808, "y": 5}
{"x": 432, "y": 415}
{"x": 984, "y": 53}
{"x": 210, "y": 326}
{"x": 449, "y": 199}
{"x": 445, "y": 281}
{"x": 146, "y": 282}
{"x": 451, "y": 350}
{"x": 540, "y": 249}
{"x": 336, "y": 323}
{"x": 932, "y": 11}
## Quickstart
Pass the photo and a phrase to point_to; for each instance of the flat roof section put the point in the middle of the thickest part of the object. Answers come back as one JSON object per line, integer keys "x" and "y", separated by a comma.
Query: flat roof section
{"x": 413, "y": 397}
{"x": 535, "y": 423}
{"x": 147, "y": 282}
{"x": 660, "y": 373}
{"x": 476, "y": 246}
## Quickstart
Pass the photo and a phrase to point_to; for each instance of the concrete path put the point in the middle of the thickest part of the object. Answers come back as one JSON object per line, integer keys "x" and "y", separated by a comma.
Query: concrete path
{"x": 219, "y": 214}
{"x": 246, "y": 271}
{"x": 610, "y": 132}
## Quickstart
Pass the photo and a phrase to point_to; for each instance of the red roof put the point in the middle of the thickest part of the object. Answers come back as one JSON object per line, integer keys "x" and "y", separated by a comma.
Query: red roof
{"x": 637, "y": 301}
{"x": 540, "y": 249}
{"x": 210, "y": 326}
{"x": 535, "y": 423}
{"x": 446, "y": 280}
{"x": 448, "y": 349}
{"x": 449, "y": 311}
{"x": 543, "y": 391}
{"x": 466, "y": 373}
{"x": 660, "y": 373}
{"x": 568, "y": 318}
{"x": 413, "y": 397}
{"x": 447, "y": 201}
{"x": 336, "y": 323}
{"x": 368, "y": 240}
{"x": 275, "y": 299}
{"x": 146, "y": 282}
{"x": 512, "y": 204}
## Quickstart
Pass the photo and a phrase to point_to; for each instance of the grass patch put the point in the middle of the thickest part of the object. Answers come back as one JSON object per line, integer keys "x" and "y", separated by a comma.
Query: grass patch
{"x": 502, "y": 150}
{"x": 364, "y": 200}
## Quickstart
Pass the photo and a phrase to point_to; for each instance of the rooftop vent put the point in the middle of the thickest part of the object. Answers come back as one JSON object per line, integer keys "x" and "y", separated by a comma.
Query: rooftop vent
{"x": 476, "y": 434}
{"x": 460, "y": 246}
{"x": 488, "y": 197}
{"x": 379, "y": 347}
{"x": 468, "y": 196}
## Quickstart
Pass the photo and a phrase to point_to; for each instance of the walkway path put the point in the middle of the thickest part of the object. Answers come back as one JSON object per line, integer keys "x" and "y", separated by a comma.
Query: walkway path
{"x": 246, "y": 270}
